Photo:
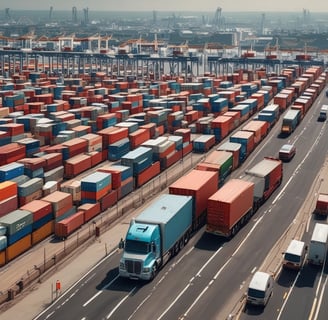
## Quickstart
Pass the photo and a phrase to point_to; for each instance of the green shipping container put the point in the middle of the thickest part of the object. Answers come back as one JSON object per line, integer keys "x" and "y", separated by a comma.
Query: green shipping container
{"x": 16, "y": 220}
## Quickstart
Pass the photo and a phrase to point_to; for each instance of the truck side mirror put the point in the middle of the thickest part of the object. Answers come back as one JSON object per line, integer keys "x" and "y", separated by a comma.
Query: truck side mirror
{"x": 121, "y": 244}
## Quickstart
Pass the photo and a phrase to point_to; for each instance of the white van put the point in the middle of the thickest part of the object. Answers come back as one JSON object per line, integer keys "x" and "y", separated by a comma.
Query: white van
{"x": 294, "y": 255}
{"x": 260, "y": 289}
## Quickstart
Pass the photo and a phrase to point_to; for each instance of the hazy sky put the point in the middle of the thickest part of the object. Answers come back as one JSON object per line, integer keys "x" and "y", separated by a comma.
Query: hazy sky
{"x": 169, "y": 5}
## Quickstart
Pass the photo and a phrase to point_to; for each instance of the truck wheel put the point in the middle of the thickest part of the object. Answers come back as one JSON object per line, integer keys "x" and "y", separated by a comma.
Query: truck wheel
{"x": 176, "y": 248}
{"x": 153, "y": 271}
{"x": 181, "y": 244}
{"x": 186, "y": 238}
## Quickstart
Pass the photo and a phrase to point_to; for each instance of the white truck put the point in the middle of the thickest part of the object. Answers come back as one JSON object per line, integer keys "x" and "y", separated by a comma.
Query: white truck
{"x": 318, "y": 244}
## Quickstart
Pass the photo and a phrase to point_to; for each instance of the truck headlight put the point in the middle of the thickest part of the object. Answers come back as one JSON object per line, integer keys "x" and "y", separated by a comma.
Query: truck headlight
{"x": 122, "y": 265}
{"x": 146, "y": 270}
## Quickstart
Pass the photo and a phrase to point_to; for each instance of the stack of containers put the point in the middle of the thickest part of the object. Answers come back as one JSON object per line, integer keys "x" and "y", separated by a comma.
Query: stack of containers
{"x": 260, "y": 129}
{"x": 31, "y": 145}
{"x": 186, "y": 137}
{"x": 106, "y": 120}
{"x": 95, "y": 186}
{"x": 122, "y": 179}
{"x": 246, "y": 139}
{"x": 30, "y": 190}
{"x": 253, "y": 103}
{"x": 61, "y": 203}
{"x": 138, "y": 137}
{"x": 138, "y": 159}
{"x": 18, "y": 224}
{"x": 74, "y": 147}
{"x": 118, "y": 149}
{"x": 221, "y": 126}
{"x": 73, "y": 187}
{"x": 11, "y": 171}
{"x": 33, "y": 167}
{"x": 94, "y": 142}
{"x": 270, "y": 114}
{"x": 16, "y": 130}
{"x": 219, "y": 105}
{"x": 203, "y": 143}
{"x": 8, "y": 197}
{"x": 43, "y": 225}
{"x": 52, "y": 160}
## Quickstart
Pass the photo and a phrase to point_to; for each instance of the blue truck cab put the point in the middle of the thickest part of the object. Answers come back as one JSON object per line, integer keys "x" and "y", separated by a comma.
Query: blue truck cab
{"x": 141, "y": 250}
{"x": 156, "y": 235}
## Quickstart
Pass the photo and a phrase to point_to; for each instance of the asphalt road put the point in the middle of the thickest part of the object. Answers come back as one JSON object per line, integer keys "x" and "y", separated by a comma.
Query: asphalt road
{"x": 210, "y": 275}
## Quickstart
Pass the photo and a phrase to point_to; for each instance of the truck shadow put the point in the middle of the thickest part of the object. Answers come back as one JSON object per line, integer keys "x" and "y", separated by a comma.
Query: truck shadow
{"x": 210, "y": 242}
{"x": 112, "y": 283}
{"x": 286, "y": 277}
{"x": 308, "y": 276}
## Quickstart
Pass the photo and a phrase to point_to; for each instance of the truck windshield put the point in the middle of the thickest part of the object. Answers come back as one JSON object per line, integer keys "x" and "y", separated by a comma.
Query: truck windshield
{"x": 255, "y": 293}
{"x": 292, "y": 257}
{"x": 135, "y": 246}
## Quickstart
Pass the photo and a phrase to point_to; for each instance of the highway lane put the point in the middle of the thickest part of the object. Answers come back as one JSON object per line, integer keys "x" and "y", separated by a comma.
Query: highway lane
{"x": 185, "y": 286}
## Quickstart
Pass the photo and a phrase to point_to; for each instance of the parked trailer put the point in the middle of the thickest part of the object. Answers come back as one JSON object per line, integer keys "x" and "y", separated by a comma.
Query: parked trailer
{"x": 318, "y": 244}
{"x": 290, "y": 121}
{"x": 157, "y": 234}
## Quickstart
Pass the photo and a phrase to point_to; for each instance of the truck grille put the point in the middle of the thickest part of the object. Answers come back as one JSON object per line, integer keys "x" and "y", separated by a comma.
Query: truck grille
{"x": 133, "y": 266}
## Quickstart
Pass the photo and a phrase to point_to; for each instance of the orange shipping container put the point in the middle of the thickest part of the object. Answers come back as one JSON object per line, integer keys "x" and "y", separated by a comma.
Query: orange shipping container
{"x": 43, "y": 232}
{"x": 228, "y": 206}
{"x": 18, "y": 247}
{"x": 90, "y": 210}
{"x": 7, "y": 189}
{"x": 2, "y": 258}
{"x": 199, "y": 184}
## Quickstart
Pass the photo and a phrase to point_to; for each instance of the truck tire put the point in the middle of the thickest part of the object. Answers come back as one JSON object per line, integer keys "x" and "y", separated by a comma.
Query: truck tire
{"x": 154, "y": 271}
{"x": 186, "y": 238}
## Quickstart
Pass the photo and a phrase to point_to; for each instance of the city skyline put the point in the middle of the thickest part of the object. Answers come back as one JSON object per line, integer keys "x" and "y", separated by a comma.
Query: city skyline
{"x": 169, "y": 5}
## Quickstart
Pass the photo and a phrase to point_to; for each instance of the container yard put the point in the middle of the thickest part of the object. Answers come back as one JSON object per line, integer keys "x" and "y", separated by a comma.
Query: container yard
{"x": 72, "y": 148}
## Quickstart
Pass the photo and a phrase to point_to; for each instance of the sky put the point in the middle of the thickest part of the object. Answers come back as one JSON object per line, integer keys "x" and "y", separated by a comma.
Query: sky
{"x": 169, "y": 5}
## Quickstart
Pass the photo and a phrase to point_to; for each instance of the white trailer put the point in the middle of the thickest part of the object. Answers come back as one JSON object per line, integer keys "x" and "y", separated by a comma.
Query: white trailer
{"x": 318, "y": 244}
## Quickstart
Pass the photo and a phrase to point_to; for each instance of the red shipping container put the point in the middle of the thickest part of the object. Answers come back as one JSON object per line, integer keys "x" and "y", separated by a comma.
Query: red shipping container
{"x": 66, "y": 226}
{"x": 11, "y": 152}
{"x": 171, "y": 159}
{"x": 224, "y": 123}
{"x": 259, "y": 128}
{"x": 228, "y": 205}
{"x": 39, "y": 208}
{"x": 109, "y": 200}
{"x": 96, "y": 157}
{"x": 8, "y": 205}
{"x": 33, "y": 163}
{"x": 148, "y": 173}
{"x": 198, "y": 184}
{"x": 76, "y": 165}
{"x": 138, "y": 137}
{"x": 90, "y": 210}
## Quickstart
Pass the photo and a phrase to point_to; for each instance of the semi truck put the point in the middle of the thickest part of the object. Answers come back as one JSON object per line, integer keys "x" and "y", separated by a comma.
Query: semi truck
{"x": 290, "y": 121}
{"x": 234, "y": 203}
{"x": 318, "y": 244}
{"x": 155, "y": 235}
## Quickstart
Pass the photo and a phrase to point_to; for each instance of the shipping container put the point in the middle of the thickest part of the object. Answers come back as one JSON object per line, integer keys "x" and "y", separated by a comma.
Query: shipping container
{"x": 67, "y": 226}
{"x": 200, "y": 185}
{"x": 18, "y": 248}
{"x": 230, "y": 207}
{"x": 43, "y": 232}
